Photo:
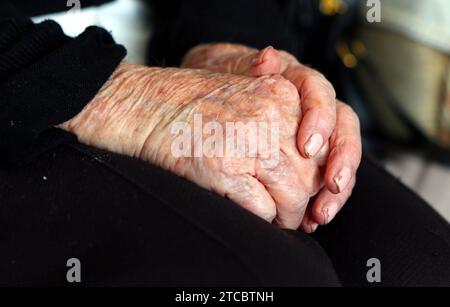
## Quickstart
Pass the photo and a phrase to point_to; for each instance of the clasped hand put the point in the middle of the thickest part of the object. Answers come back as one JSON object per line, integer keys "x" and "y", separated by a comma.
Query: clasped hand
{"x": 303, "y": 183}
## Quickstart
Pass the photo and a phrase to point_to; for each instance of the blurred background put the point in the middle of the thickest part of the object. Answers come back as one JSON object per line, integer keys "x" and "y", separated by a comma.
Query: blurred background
{"x": 388, "y": 59}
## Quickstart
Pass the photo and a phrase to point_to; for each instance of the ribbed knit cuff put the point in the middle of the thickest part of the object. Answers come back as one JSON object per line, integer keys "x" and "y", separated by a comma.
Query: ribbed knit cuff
{"x": 47, "y": 78}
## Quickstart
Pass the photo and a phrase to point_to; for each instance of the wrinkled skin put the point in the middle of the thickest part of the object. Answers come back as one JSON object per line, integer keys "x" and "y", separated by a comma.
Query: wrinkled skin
{"x": 325, "y": 121}
{"x": 134, "y": 111}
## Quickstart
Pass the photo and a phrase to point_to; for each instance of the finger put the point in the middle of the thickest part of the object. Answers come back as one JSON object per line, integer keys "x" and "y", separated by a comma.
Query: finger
{"x": 265, "y": 62}
{"x": 308, "y": 225}
{"x": 287, "y": 190}
{"x": 251, "y": 195}
{"x": 327, "y": 205}
{"x": 318, "y": 101}
{"x": 345, "y": 150}
{"x": 208, "y": 56}
{"x": 253, "y": 64}
{"x": 245, "y": 62}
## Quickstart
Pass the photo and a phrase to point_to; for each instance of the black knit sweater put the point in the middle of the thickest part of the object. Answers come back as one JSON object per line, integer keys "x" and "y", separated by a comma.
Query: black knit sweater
{"x": 46, "y": 78}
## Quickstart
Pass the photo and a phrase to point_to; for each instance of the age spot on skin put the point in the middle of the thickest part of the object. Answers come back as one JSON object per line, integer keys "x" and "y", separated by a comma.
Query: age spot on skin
{"x": 270, "y": 81}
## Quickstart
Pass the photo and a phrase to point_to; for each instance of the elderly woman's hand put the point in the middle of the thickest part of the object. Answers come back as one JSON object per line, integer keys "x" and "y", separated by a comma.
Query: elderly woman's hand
{"x": 142, "y": 111}
{"x": 324, "y": 119}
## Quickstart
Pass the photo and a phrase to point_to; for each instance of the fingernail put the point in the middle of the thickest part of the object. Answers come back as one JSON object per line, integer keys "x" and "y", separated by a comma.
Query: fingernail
{"x": 314, "y": 227}
{"x": 343, "y": 179}
{"x": 314, "y": 145}
{"x": 329, "y": 212}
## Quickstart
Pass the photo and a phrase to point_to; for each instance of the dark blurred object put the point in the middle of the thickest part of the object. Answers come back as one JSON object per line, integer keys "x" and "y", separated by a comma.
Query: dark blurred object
{"x": 405, "y": 73}
{"x": 181, "y": 25}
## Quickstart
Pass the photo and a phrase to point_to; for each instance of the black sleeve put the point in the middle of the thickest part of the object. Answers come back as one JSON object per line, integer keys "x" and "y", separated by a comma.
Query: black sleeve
{"x": 46, "y": 78}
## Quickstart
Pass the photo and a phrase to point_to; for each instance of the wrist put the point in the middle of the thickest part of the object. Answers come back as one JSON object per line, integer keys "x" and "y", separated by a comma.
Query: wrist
{"x": 132, "y": 112}
{"x": 126, "y": 110}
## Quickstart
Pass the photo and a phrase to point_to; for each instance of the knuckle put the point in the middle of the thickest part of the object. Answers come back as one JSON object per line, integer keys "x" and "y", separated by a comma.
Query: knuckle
{"x": 345, "y": 108}
{"x": 318, "y": 80}
{"x": 284, "y": 88}
{"x": 320, "y": 97}
{"x": 268, "y": 213}
{"x": 326, "y": 116}
{"x": 330, "y": 88}
{"x": 349, "y": 148}
{"x": 311, "y": 81}
{"x": 288, "y": 57}
{"x": 349, "y": 115}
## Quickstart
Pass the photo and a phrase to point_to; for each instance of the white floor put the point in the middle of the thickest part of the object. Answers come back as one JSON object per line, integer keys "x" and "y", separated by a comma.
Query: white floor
{"x": 428, "y": 179}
